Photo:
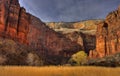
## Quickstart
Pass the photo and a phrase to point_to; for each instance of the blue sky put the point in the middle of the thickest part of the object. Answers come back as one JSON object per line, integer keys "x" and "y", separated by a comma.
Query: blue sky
{"x": 69, "y": 10}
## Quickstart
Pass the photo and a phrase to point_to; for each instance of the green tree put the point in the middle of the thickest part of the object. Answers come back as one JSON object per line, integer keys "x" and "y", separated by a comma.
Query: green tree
{"x": 79, "y": 58}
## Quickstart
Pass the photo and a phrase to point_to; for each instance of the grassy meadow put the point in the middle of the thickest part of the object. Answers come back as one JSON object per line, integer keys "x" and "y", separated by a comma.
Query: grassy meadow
{"x": 58, "y": 71}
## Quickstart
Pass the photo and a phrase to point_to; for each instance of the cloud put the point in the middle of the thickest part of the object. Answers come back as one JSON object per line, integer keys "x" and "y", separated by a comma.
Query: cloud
{"x": 69, "y": 10}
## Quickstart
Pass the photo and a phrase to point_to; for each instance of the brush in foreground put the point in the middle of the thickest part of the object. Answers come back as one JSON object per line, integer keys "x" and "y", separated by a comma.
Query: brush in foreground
{"x": 58, "y": 71}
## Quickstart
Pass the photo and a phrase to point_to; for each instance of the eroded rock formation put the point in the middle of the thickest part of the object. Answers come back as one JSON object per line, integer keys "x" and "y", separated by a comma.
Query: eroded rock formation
{"x": 25, "y": 28}
{"x": 108, "y": 35}
{"x": 87, "y": 41}
{"x": 83, "y": 32}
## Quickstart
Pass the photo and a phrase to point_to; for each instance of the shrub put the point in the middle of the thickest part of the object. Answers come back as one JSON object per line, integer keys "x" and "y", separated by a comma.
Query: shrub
{"x": 79, "y": 58}
{"x": 34, "y": 60}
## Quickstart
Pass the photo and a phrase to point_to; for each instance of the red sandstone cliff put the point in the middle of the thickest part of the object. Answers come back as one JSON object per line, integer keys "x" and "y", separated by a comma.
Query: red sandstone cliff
{"x": 25, "y": 28}
{"x": 108, "y": 36}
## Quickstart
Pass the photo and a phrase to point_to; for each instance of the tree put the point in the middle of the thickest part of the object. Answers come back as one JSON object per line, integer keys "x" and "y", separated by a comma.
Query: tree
{"x": 79, "y": 58}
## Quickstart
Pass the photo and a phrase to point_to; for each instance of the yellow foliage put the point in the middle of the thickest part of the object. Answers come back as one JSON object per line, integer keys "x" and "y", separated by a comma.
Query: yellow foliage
{"x": 78, "y": 58}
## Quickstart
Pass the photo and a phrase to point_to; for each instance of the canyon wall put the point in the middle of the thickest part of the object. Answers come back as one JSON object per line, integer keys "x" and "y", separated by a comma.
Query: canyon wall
{"x": 69, "y": 38}
{"x": 18, "y": 25}
{"x": 13, "y": 19}
{"x": 108, "y": 36}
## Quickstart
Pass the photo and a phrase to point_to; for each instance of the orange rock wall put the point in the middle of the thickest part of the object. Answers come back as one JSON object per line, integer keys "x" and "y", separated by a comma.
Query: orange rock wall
{"x": 108, "y": 35}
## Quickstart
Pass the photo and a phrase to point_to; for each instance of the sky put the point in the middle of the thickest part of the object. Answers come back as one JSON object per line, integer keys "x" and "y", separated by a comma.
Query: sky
{"x": 69, "y": 10}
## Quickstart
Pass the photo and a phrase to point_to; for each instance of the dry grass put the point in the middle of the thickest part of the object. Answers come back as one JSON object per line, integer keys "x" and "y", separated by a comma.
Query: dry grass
{"x": 58, "y": 71}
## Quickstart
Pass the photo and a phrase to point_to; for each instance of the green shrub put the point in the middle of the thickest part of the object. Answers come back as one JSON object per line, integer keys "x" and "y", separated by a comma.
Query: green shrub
{"x": 79, "y": 58}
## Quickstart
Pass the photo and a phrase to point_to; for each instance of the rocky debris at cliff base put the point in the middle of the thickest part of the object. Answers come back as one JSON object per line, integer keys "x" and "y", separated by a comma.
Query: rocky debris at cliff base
{"x": 14, "y": 53}
{"x": 108, "y": 61}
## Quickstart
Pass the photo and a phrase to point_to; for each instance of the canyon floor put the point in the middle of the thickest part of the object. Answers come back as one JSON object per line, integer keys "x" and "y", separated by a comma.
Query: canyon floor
{"x": 58, "y": 71}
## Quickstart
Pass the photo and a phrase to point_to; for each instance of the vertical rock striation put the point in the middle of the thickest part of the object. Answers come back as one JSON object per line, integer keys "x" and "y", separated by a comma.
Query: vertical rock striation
{"x": 108, "y": 35}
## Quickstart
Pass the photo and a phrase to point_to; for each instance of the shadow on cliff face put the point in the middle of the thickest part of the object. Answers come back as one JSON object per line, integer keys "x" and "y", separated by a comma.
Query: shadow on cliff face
{"x": 89, "y": 42}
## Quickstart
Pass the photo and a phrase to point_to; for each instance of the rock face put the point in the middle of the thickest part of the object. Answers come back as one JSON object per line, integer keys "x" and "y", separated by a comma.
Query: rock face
{"x": 83, "y": 33}
{"x": 75, "y": 37}
{"x": 23, "y": 27}
{"x": 108, "y": 35}
{"x": 87, "y": 41}
{"x": 13, "y": 21}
